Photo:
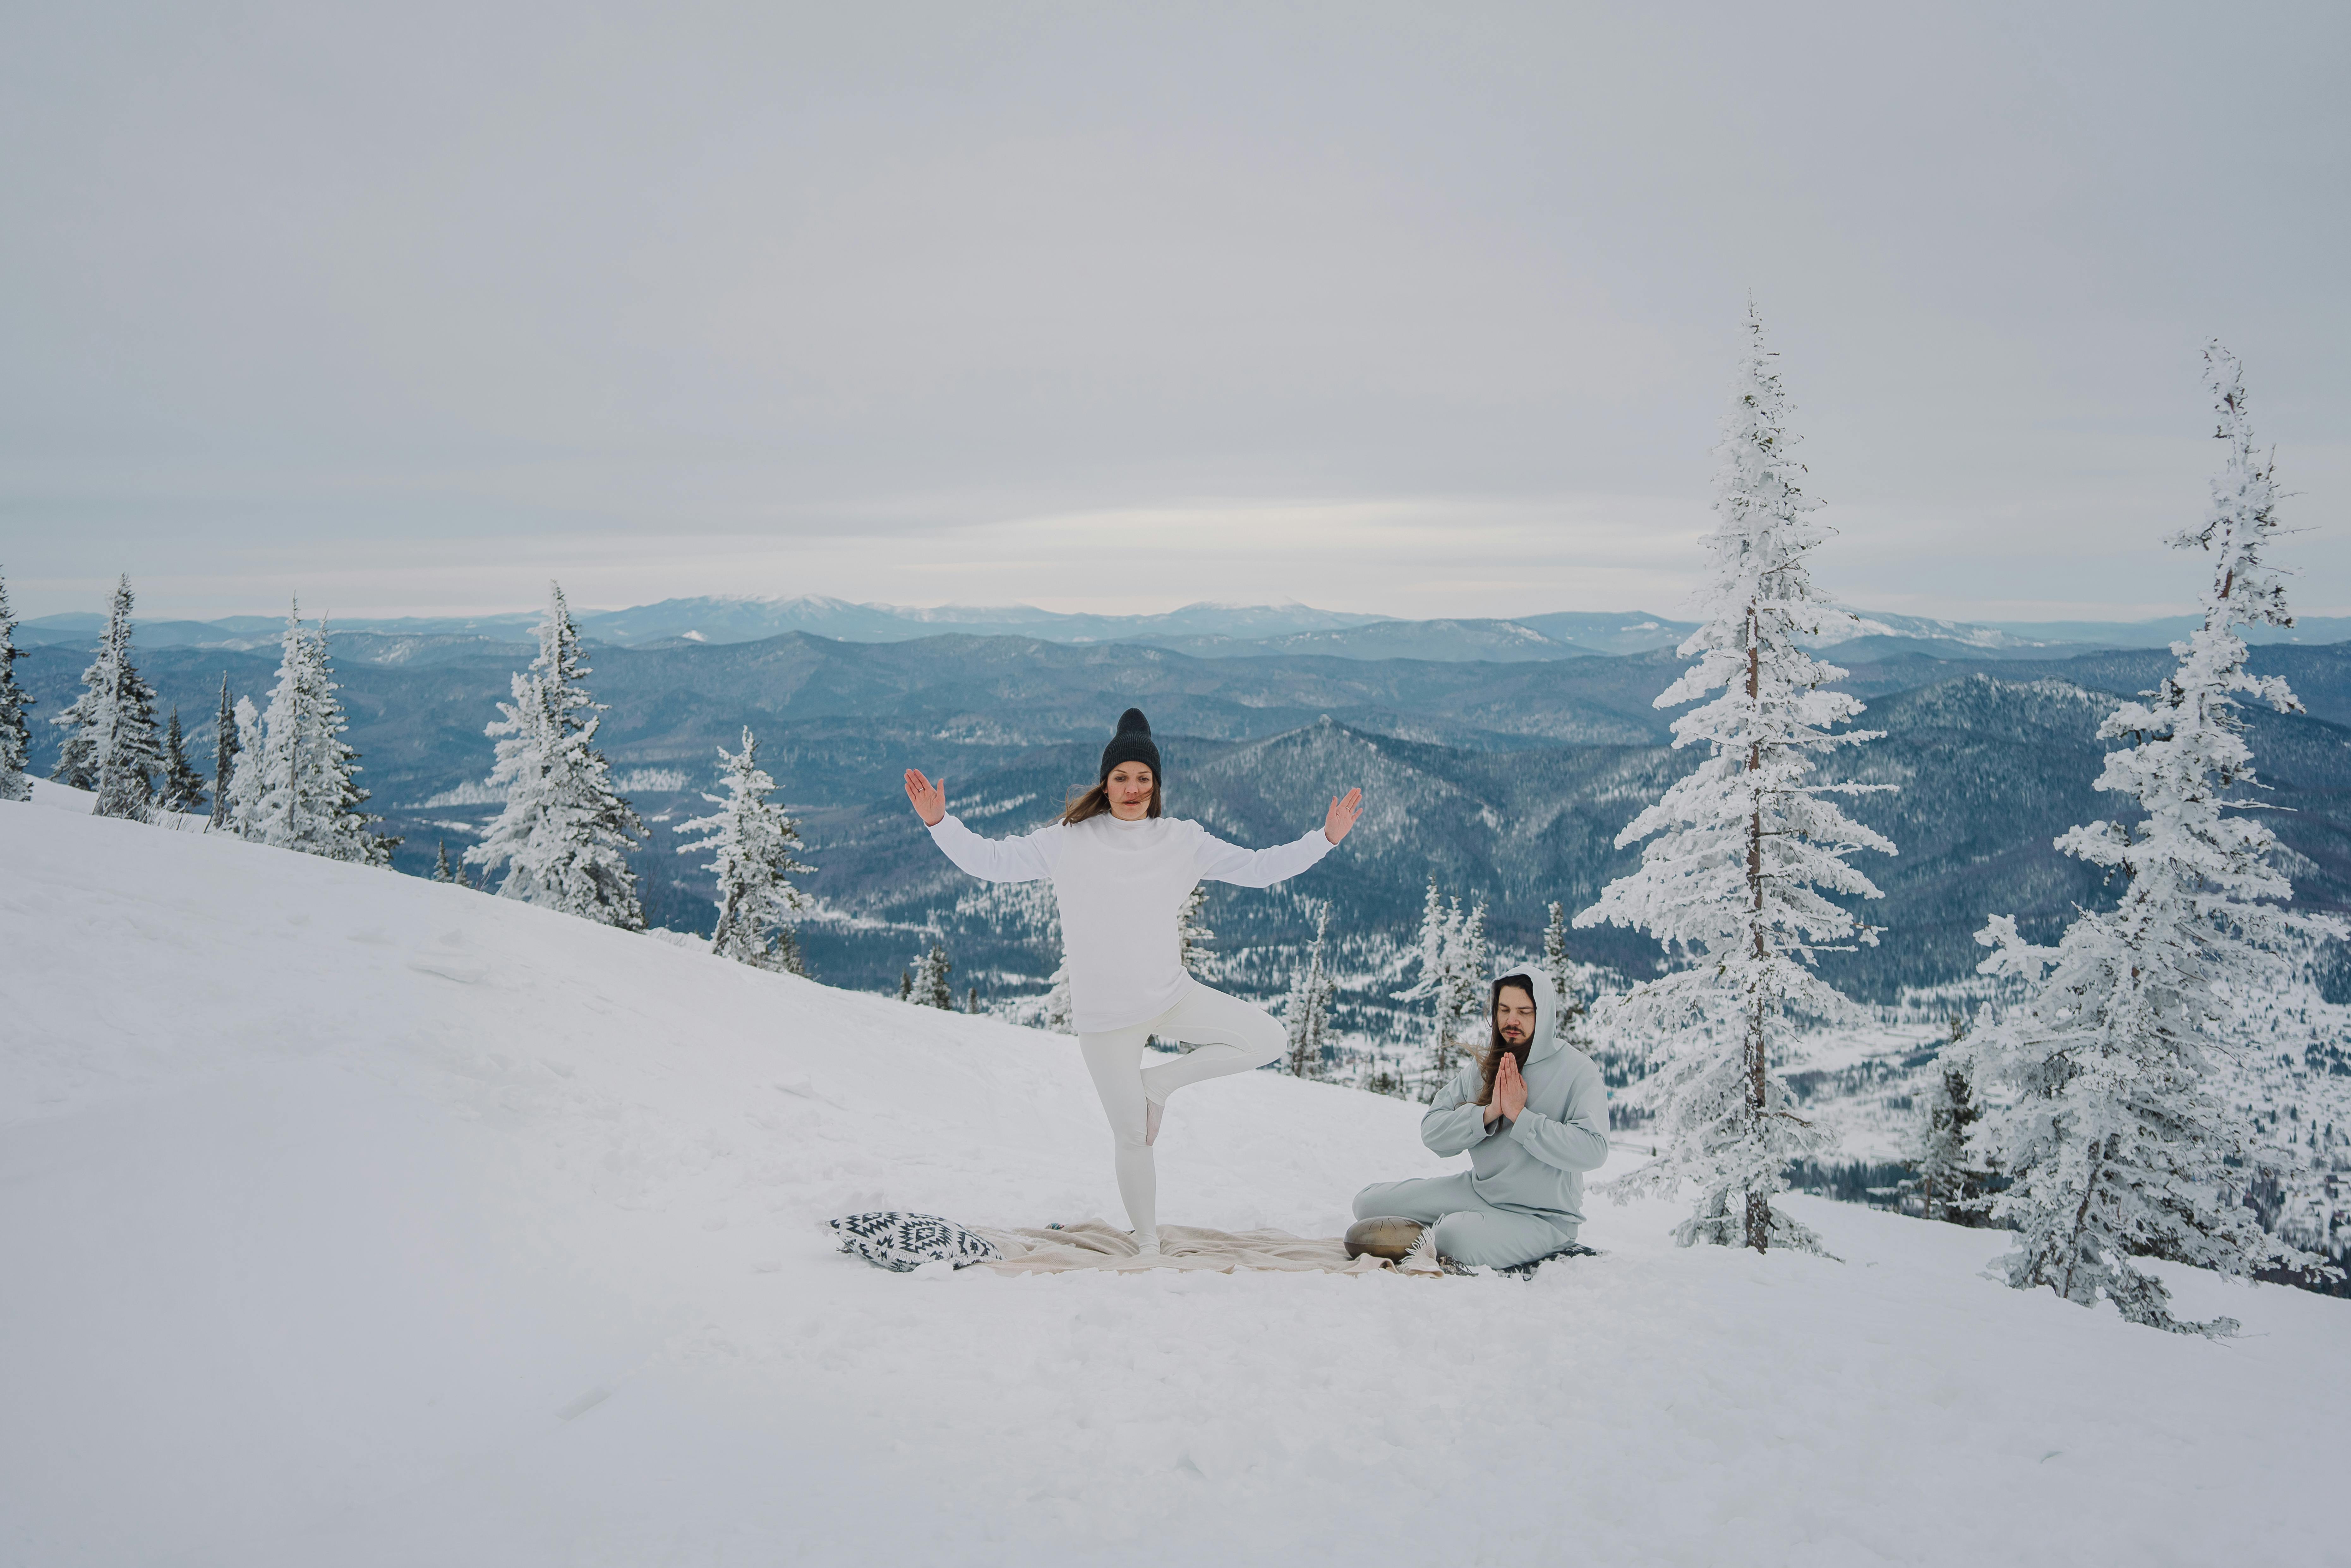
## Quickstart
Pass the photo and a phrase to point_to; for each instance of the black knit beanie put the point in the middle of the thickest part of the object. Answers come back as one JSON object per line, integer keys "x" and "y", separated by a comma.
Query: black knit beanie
{"x": 1133, "y": 743}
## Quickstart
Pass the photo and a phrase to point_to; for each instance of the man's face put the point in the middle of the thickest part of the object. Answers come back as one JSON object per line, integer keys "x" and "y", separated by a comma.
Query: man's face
{"x": 1129, "y": 786}
{"x": 1514, "y": 1014}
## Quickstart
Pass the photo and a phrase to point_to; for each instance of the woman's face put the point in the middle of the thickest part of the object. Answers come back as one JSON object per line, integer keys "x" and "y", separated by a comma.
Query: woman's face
{"x": 1130, "y": 792}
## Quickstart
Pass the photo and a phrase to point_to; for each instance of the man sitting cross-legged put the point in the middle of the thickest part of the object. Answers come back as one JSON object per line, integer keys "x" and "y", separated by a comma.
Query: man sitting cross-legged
{"x": 1533, "y": 1117}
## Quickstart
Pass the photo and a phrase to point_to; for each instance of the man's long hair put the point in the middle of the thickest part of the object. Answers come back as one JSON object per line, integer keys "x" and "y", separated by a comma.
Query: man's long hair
{"x": 1490, "y": 1061}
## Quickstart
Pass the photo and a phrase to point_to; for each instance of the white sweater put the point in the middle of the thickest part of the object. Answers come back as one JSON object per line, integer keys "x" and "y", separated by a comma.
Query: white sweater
{"x": 1121, "y": 886}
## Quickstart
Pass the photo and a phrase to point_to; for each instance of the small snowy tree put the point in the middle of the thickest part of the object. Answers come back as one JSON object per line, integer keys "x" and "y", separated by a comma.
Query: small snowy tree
{"x": 442, "y": 870}
{"x": 1468, "y": 964}
{"x": 927, "y": 984}
{"x": 109, "y": 748}
{"x": 1307, "y": 1014}
{"x": 183, "y": 788}
{"x": 309, "y": 796}
{"x": 1742, "y": 848}
{"x": 16, "y": 733}
{"x": 566, "y": 834}
{"x": 247, "y": 793}
{"x": 751, "y": 839}
{"x": 1949, "y": 1184}
{"x": 1193, "y": 936}
{"x": 1060, "y": 1013}
{"x": 2121, "y": 1142}
{"x": 1437, "y": 950}
{"x": 224, "y": 745}
{"x": 1555, "y": 961}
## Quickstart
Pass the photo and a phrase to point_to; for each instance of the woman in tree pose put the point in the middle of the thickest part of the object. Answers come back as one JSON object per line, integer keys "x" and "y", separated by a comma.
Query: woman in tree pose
{"x": 1121, "y": 872}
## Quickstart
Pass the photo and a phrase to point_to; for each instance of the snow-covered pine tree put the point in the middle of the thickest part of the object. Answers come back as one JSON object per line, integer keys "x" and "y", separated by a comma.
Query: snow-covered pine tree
{"x": 1307, "y": 1013}
{"x": 224, "y": 746}
{"x": 1742, "y": 847}
{"x": 248, "y": 790}
{"x": 442, "y": 870}
{"x": 1193, "y": 936}
{"x": 926, "y": 985}
{"x": 183, "y": 788}
{"x": 1060, "y": 1015}
{"x": 1434, "y": 950}
{"x": 2122, "y": 1142}
{"x": 1468, "y": 970}
{"x": 906, "y": 985}
{"x": 16, "y": 733}
{"x": 1949, "y": 1184}
{"x": 565, "y": 834}
{"x": 109, "y": 748}
{"x": 971, "y": 999}
{"x": 751, "y": 840}
{"x": 1555, "y": 961}
{"x": 310, "y": 799}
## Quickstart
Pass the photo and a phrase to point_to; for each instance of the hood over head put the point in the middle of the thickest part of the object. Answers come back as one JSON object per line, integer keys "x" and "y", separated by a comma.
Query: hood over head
{"x": 1537, "y": 980}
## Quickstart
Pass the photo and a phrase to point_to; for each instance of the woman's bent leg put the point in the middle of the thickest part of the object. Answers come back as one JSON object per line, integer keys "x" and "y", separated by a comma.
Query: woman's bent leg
{"x": 1115, "y": 1061}
{"x": 1227, "y": 1034}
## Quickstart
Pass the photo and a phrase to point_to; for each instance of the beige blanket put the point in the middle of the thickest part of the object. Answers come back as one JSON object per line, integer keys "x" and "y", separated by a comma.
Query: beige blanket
{"x": 1096, "y": 1244}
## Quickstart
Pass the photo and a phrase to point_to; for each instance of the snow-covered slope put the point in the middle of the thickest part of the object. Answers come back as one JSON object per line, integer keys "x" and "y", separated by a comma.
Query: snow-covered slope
{"x": 354, "y": 1220}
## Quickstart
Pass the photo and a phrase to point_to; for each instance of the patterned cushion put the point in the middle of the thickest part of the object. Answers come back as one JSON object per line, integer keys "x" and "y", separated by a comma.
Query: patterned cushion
{"x": 900, "y": 1242}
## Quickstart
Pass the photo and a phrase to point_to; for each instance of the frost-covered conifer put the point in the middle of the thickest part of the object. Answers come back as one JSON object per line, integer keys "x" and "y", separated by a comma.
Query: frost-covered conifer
{"x": 565, "y": 834}
{"x": 2121, "y": 1142}
{"x": 309, "y": 798}
{"x": 1307, "y": 1013}
{"x": 1433, "y": 950}
{"x": 1555, "y": 961}
{"x": 224, "y": 746}
{"x": 1948, "y": 1183}
{"x": 109, "y": 748}
{"x": 1741, "y": 849}
{"x": 249, "y": 792}
{"x": 927, "y": 984}
{"x": 1468, "y": 964}
{"x": 1060, "y": 1014}
{"x": 16, "y": 733}
{"x": 183, "y": 788}
{"x": 1193, "y": 936}
{"x": 442, "y": 870}
{"x": 751, "y": 840}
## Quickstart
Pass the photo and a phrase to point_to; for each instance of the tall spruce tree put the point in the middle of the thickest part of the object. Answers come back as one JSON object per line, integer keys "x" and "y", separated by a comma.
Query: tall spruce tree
{"x": 224, "y": 745}
{"x": 1741, "y": 848}
{"x": 304, "y": 795}
{"x": 1306, "y": 1016}
{"x": 247, "y": 793}
{"x": 566, "y": 834}
{"x": 750, "y": 838}
{"x": 110, "y": 749}
{"x": 2121, "y": 1141}
{"x": 1434, "y": 951}
{"x": 1468, "y": 970}
{"x": 16, "y": 732}
{"x": 183, "y": 788}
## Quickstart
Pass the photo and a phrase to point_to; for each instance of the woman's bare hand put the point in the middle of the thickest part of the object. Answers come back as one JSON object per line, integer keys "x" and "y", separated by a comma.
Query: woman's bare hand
{"x": 1342, "y": 815}
{"x": 930, "y": 799}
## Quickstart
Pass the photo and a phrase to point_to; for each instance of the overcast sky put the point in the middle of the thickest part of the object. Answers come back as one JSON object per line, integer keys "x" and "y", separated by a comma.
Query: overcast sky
{"x": 1415, "y": 309}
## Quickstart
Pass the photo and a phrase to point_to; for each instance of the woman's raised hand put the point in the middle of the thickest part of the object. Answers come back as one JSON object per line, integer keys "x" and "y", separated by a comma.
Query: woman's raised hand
{"x": 931, "y": 799}
{"x": 1342, "y": 815}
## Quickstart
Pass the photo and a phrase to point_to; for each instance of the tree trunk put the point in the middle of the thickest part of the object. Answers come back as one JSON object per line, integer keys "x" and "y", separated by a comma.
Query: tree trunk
{"x": 1759, "y": 1203}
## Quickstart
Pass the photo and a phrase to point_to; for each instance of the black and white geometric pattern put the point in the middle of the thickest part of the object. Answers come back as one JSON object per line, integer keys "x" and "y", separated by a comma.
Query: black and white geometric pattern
{"x": 899, "y": 1242}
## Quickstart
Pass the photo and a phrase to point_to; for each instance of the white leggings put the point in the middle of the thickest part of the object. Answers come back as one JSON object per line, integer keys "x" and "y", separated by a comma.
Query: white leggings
{"x": 1231, "y": 1035}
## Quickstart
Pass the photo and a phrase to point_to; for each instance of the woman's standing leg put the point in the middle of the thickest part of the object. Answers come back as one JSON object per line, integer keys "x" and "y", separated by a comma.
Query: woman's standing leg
{"x": 1115, "y": 1062}
{"x": 1228, "y": 1035}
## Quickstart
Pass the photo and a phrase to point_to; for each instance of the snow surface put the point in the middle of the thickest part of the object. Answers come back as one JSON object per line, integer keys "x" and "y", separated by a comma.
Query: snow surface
{"x": 351, "y": 1219}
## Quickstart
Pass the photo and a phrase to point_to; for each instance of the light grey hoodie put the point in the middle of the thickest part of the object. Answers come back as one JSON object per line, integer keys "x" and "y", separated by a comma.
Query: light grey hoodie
{"x": 1536, "y": 1164}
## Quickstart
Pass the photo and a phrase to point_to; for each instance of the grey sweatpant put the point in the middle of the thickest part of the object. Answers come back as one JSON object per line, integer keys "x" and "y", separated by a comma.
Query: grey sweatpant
{"x": 1468, "y": 1228}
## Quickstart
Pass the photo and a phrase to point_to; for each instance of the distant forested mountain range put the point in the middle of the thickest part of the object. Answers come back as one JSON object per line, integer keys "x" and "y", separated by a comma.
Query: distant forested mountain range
{"x": 1508, "y": 780}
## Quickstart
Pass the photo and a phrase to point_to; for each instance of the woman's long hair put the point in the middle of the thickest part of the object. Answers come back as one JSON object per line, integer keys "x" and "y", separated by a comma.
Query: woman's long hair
{"x": 1490, "y": 1061}
{"x": 1096, "y": 800}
